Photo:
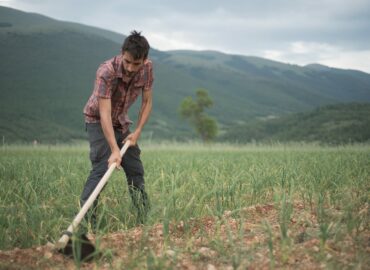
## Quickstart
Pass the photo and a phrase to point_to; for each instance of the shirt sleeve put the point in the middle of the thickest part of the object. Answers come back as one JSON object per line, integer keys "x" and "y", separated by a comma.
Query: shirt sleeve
{"x": 149, "y": 76}
{"x": 104, "y": 82}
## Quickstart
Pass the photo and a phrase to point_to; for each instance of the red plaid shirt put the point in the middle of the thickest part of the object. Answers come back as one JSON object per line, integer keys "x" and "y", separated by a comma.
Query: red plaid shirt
{"x": 109, "y": 84}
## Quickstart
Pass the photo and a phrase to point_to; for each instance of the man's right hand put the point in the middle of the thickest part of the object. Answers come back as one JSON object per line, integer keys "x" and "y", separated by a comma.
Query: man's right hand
{"x": 115, "y": 158}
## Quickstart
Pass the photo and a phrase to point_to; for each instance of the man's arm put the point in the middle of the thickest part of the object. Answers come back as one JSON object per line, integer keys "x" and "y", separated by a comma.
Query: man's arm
{"x": 105, "y": 108}
{"x": 146, "y": 108}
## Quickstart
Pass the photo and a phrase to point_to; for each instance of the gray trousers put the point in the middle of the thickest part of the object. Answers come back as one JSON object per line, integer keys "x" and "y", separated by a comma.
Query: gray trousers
{"x": 132, "y": 166}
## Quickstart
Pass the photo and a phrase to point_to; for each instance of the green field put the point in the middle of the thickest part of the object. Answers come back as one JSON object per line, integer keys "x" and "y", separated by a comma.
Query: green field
{"x": 230, "y": 206}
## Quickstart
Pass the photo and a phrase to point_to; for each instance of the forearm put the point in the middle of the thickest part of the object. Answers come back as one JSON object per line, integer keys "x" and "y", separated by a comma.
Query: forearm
{"x": 146, "y": 108}
{"x": 144, "y": 114}
{"x": 106, "y": 123}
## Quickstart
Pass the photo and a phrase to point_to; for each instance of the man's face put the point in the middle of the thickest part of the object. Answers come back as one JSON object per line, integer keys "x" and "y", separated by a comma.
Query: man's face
{"x": 130, "y": 65}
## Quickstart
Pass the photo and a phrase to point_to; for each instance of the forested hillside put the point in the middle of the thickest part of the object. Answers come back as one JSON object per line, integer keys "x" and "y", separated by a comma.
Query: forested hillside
{"x": 47, "y": 71}
{"x": 332, "y": 124}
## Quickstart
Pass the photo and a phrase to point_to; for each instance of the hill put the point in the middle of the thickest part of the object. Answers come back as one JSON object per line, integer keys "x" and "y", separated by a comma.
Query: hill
{"x": 334, "y": 124}
{"x": 47, "y": 70}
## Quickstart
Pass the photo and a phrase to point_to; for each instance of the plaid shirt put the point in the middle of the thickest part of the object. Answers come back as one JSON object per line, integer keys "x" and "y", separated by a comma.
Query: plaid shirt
{"x": 109, "y": 84}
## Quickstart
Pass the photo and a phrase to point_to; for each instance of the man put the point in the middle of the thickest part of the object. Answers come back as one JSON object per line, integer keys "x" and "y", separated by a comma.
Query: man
{"x": 119, "y": 81}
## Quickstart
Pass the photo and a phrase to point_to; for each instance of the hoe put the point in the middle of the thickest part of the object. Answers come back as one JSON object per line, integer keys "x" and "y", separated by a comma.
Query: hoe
{"x": 80, "y": 247}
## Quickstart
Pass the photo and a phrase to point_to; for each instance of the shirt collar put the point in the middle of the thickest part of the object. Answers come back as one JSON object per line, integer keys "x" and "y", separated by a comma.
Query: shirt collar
{"x": 119, "y": 71}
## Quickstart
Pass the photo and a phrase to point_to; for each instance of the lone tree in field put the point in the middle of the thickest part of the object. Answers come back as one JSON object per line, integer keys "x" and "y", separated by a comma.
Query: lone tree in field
{"x": 193, "y": 111}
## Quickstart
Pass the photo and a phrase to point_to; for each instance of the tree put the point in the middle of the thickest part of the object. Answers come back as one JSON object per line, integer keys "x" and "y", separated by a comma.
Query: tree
{"x": 193, "y": 111}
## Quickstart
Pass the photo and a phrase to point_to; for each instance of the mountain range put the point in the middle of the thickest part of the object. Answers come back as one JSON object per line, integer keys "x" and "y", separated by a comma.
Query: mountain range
{"x": 47, "y": 71}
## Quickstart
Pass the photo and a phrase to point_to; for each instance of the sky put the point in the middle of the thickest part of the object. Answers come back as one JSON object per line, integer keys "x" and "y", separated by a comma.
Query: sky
{"x": 335, "y": 33}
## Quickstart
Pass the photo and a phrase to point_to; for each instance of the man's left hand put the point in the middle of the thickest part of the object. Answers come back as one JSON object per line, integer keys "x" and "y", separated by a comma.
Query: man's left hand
{"x": 133, "y": 137}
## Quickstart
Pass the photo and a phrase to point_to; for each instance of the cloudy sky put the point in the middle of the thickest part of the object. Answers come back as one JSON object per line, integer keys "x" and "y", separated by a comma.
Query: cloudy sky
{"x": 331, "y": 32}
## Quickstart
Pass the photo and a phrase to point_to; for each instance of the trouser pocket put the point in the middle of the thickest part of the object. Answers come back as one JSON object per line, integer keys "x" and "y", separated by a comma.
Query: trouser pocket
{"x": 99, "y": 148}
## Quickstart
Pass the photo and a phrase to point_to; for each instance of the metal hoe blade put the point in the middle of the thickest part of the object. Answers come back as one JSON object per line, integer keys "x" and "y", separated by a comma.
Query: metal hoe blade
{"x": 80, "y": 248}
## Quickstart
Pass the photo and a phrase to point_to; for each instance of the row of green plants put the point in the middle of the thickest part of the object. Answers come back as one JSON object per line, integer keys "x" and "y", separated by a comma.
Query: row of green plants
{"x": 41, "y": 188}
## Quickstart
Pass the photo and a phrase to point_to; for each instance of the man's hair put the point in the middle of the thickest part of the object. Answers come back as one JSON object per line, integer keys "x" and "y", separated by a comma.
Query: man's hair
{"x": 136, "y": 45}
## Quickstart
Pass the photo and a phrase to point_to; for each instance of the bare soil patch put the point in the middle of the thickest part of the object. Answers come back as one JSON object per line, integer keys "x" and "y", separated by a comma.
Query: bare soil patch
{"x": 251, "y": 238}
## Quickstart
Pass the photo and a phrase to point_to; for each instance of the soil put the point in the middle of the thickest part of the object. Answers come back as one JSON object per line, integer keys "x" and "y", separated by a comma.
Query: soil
{"x": 252, "y": 239}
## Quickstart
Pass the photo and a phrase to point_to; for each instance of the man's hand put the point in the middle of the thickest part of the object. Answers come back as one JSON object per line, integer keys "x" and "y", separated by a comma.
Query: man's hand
{"x": 133, "y": 137}
{"x": 115, "y": 158}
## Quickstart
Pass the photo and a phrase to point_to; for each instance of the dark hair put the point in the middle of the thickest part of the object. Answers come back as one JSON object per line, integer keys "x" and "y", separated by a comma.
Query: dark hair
{"x": 136, "y": 45}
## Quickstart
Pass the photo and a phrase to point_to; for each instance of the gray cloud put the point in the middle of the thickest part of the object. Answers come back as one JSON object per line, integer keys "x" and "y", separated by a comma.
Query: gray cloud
{"x": 301, "y": 31}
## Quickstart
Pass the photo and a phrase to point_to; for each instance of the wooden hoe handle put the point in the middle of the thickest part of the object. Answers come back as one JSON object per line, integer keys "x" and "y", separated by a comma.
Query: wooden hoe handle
{"x": 76, "y": 221}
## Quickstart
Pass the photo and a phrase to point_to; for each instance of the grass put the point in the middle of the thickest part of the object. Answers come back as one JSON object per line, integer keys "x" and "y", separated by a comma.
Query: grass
{"x": 40, "y": 189}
